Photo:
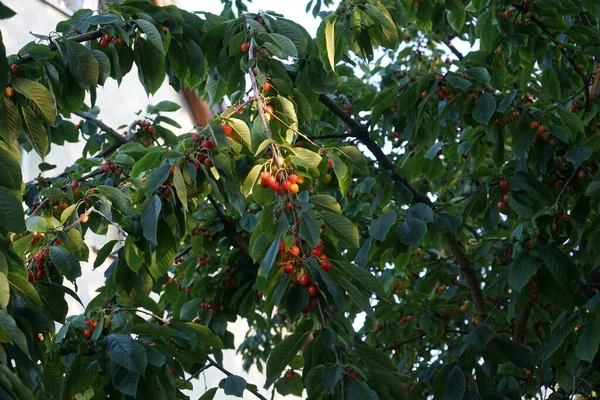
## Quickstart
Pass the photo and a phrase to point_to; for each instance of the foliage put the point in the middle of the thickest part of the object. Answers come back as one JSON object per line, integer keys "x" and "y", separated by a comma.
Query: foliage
{"x": 391, "y": 222}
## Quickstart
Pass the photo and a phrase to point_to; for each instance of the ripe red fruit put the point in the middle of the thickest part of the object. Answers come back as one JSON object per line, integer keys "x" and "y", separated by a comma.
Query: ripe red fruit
{"x": 206, "y": 144}
{"x": 507, "y": 13}
{"x": 313, "y": 291}
{"x": 104, "y": 43}
{"x": 290, "y": 375}
{"x": 564, "y": 217}
{"x": 533, "y": 125}
{"x": 30, "y": 277}
{"x": 266, "y": 86}
{"x": 528, "y": 374}
{"x": 118, "y": 41}
{"x": 14, "y": 68}
{"x": 503, "y": 184}
{"x": 295, "y": 250}
{"x": 495, "y": 336}
{"x": 261, "y": 21}
{"x": 282, "y": 247}
{"x": 326, "y": 265}
{"x": 423, "y": 95}
{"x": 501, "y": 205}
{"x": 89, "y": 323}
{"x": 208, "y": 163}
{"x": 286, "y": 185}
{"x": 304, "y": 280}
{"x": 293, "y": 178}
{"x": 227, "y": 129}
{"x": 288, "y": 268}
{"x": 265, "y": 175}
{"x": 505, "y": 198}
{"x": 274, "y": 186}
{"x": 269, "y": 109}
{"x": 581, "y": 174}
{"x": 9, "y": 91}
{"x": 77, "y": 126}
{"x": 245, "y": 47}
{"x": 281, "y": 191}
{"x": 87, "y": 333}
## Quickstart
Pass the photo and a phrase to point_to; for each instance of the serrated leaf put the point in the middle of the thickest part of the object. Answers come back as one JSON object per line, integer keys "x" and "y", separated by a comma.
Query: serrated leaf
{"x": 81, "y": 62}
{"x": 151, "y": 32}
{"x": 127, "y": 352}
{"x": 206, "y": 336}
{"x": 36, "y": 224}
{"x": 104, "y": 252}
{"x": 307, "y": 157}
{"x": 412, "y": 231}
{"x": 330, "y": 40}
{"x": 42, "y": 101}
{"x": 326, "y": 202}
{"x": 4, "y": 291}
{"x": 343, "y": 228}
{"x": 578, "y": 155}
{"x": 12, "y": 217}
{"x": 9, "y": 121}
{"x": 36, "y": 132}
{"x": 457, "y": 19}
{"x": 242, "y": 130}
{"x": 67, "y": 264}
{"x": 589, "y": 342}
{"x": 357, "y": 297}
{"x": 250, "y": 180}
{"x": 456, "y": 385}
{"x": 362, "y": 276}
{"x": 520, "y": 356}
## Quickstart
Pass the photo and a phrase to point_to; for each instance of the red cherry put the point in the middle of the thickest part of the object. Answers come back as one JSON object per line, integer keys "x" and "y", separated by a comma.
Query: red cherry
{"x": 295, "y": 250}
{"x": 266, "y": 86}
{"x": 503, "y": 185}
{"x": 281, "y": 191}
{"x": 313, "y": 291}
{"x": 206, "y": 144}
{"x": 507, "y": 13}
{"x": 293, "y": 178}
{"x": 89, "y": 323}
{"x": 118, "y": 41}
{"x": 316, "y": 252}
{"x": 304, "y": 280}
{"x": 286, "y": 185}
{"x": 564, "y": 217}
{"x": 227, "y": 129}
{"x": 14, "y": 68}
{"x": 245, "y": 47}
{"x": 274, "y": 186}
{"x": 265, "y": 175}
{"x": 501, "y": 205}
{"x": 294, "y": 188}
{"x": 288, "y": 268}
{"x": 505, "y": 198}
{"x": 326, "y": 265}
{"x": 87, "y": 333}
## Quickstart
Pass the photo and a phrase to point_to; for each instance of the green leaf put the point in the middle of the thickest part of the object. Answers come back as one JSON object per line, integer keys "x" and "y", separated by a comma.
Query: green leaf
{"x": 326, "y": 202}
{"x": 235, "y": 385}
{"x": 421, "y": 212}
{"x": 550, "y": 84}
{"x": 12, "y": 217}
{"x": 206, "y": 336}
{"x": 342, "y": 172}
{"x": 480, "y": 336}
{"x": 4, "y": 291}
{"x": 287, "y": 349}
{"x": 241, "y": 129}
{"x": 285, "y": 44}
{"x": 307, "y": 157}
{"x": 486, "y": 30}
{"x": 357, "y": 297}
{"x": 6, "y": 13}
{"x": 589, "y": 341}
{"x": 104, "y": 252}
{"x": 520, "y": 356}
{"x": 362, "y": 276}
{"x": 457, "y": 19}
{"x": 330, "y": 39}
{"x": 10, "y": 123}
{"x": 36, "y": 224}
{"x": 209, "y": 394}
{"x": 53, "y": 299}
{"x": 485, "y": 108}
{"x": 412, "y": 231}
{"x": 578, "y": 155}
{"x": 561, "y": 267}
{"x": 570, "y": 119}
{"x": 150, "y": 218}
{"x": 67, "y": 264}
{"x": 9, "y": 327}
{"x": 42, "y": 101}
{"x": 521, "y": 270}
{"x": 152, "y": 33}
{"x": 127, "y": 352}
{"x": 250, "y": 179}
{"x": 23, "y": 288}
{"x": 163, "y": 106}
{"x": 150, "y": 63}
{"x": 343, "y": 228}
{"x": 309, "y": 228}
{"x": 456, "y": 385}
{"x": 81, "y": 62}
{"x": 36, "y": 132}
{"x": 381, "y": 226}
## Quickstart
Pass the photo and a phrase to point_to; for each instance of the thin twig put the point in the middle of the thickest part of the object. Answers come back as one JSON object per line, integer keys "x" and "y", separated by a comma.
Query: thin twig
{"x": 88, "y": 116}
{"x": 195, "y": 374}
{"x": 84, "y": 37}
{"x": 498, "y": 304}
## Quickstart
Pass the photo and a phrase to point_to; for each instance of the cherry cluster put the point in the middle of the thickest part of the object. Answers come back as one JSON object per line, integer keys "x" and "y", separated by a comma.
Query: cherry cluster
{"x": 280, "y": 184}
{"x": 39, "y": 262}
{"x": 145, "y": 132}
{"x": 105, "y": 41}
{"x": 91, "y": 325}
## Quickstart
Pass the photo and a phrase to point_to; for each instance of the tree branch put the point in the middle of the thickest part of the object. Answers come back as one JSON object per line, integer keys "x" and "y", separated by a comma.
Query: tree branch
{"x": 83, "y": 37}
{"x": 235, "y": 237}
{"x": 453, "y": 49}
{"x": 102, "y": 125}
{"x": 361, "y": 133}
{"x": 520, "y": 329}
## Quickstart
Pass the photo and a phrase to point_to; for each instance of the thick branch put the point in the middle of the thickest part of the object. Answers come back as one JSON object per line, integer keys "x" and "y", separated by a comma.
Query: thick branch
{"x": 453, "y": 49}
{"x": 520, "y": 329}
{"x": 83, "y": 37}
{"x": 102, "y": 125}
